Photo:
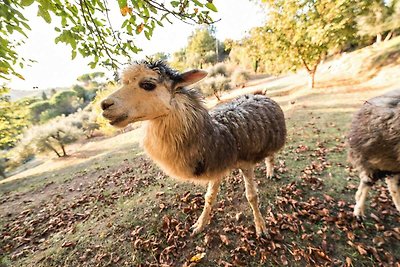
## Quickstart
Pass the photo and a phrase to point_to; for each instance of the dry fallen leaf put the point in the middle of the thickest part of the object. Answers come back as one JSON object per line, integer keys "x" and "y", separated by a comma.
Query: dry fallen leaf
{"x": 196, "y": 258}
{"x": 225, "y": 239}
{"x": 348, "y": 262}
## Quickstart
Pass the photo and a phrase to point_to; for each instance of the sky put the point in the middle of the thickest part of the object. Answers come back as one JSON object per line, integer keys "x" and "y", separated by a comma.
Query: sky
{"x": 54, "y": 67}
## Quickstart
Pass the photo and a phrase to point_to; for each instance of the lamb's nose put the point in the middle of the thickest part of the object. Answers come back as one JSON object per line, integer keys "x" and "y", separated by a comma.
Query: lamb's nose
{"x": 106, "y": 103}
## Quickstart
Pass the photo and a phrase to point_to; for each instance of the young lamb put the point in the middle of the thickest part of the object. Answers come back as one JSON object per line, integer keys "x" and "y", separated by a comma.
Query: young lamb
{"x": 374, "y": 141}
{"x": 190, "y": 143}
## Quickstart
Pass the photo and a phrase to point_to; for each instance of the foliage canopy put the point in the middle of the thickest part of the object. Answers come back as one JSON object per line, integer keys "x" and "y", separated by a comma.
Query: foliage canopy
{"x": 86, "y": 26}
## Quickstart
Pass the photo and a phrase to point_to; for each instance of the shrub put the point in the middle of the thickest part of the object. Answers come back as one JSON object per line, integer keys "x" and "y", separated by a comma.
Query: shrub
{"x": 86, "y": 120}
{"x": 239, "y": 77}
{"x": 52, "y": 136}
{"x": 215, "y": 86}
{"x": 218, "y": 69}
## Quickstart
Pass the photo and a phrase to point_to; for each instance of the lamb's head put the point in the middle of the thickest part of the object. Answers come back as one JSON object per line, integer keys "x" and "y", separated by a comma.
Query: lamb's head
{"x": 147, "y": 92}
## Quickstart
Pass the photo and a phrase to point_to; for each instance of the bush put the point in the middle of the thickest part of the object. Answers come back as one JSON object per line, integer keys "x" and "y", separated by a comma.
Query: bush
{"x": 239, "y": 77}
{"x": 52, "y": 136}
{"x": 86, "y": 120}
{"x": 218, "y": 69}
{"x": 215, "y": 86}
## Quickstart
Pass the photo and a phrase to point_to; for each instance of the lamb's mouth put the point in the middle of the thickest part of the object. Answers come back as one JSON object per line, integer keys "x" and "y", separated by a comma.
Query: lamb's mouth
{"x": 118, "y": 119}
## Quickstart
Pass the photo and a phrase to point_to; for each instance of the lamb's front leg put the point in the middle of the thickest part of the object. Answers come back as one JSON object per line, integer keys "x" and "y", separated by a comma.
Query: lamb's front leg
{"x": 252, "y": 197}
{"x": 210, "y": 197}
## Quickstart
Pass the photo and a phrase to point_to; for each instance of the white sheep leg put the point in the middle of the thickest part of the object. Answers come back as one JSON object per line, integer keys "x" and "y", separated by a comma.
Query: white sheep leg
{"x": 361, "y": 195}
{"x": 252, "y": 197}
{"x": 393, "y": 184}
{"x": 269, "y": 162}
{"x": 210, "y": 197}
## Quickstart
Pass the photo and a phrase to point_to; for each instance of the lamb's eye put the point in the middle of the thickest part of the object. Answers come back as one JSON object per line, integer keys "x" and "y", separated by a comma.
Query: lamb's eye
{"x": 148, "y": 86}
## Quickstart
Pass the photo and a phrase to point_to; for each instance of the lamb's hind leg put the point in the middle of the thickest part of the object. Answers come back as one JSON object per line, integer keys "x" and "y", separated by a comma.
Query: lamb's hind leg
{"x": 394, "y": 189}
{"x": 361, "y": 195}
{"x": 252, "y": 197}
{"x": 269, "y": 163}
{"x": 210, "y": 197}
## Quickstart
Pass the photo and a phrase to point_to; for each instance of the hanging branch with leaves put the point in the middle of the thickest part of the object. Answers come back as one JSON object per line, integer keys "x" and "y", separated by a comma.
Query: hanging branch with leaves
{"x": 86, "y": 27}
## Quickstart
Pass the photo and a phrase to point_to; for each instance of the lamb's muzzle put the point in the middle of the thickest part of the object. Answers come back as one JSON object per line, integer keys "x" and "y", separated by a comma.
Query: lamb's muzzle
{"x": 374, "y": 142}
{"x": 189, "y": 142}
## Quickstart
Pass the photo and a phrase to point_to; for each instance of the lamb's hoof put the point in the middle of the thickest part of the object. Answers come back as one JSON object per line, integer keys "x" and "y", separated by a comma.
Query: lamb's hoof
{"x": 359, "y": 218}
{"x": 261, "y": 231}
{"x": 196, "y": 229}
{"x": 270, "y": 175}
{"x": 359, "y": 214}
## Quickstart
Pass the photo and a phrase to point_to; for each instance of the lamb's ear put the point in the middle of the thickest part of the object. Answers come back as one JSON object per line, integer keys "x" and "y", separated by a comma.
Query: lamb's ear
{"x": 191, "y": 77}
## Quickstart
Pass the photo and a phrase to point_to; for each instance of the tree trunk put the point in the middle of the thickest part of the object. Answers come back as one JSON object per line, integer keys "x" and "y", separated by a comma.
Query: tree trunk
{"x": 311, "y": 73}
{"x": 63, "y": 149}
{"x": 217, "y": 96}
{"x": 378, "y": 38}
{"x": 311, "y": 80}
{"x": 388, "y": 36}
{"x": 53, "y": 149}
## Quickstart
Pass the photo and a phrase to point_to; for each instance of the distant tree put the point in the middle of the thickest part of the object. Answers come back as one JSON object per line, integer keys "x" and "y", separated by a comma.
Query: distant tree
{"x": 44, "y": 96}
{"x": 201, "y": 48}
{"x": 52, "y": 136}
{"x": 179, "y": 59}
{"x": 36, "y": 109}
{"x": 86, "y": 26}
{"x": 381, "y": 17}
{"x": 63, "y": 102}
{"x": 90, "y": 79}
{"x": 159, "y": 56}
{"x": 53, "y": 92}
{"x": 302, "y": 33}
{"x": 14, "y": 118}
{"x": 82, "y": 93}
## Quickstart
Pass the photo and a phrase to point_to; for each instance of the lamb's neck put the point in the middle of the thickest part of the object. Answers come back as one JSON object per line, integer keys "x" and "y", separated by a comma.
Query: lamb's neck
{"x": 181, "y": 126}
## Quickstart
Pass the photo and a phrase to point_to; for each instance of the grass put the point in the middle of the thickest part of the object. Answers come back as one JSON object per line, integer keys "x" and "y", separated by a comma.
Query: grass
{"x": 124, "y": 192}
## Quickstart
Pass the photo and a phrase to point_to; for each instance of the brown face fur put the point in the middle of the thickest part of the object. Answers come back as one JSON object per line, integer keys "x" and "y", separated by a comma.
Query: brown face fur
{"x": 132, "y": 102}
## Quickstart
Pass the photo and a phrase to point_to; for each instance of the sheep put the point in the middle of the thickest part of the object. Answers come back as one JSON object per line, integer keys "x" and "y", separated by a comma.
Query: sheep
{"x": 374, "y": 141}
{"x": 189, "y": 142}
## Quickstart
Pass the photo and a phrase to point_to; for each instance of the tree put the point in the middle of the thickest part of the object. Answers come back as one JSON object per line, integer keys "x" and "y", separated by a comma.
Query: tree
{"x": 90, "y": 78}
{"x": 201, "y": 48}
{"x": 381, "y": 17}
{"x": 302, "y": 33}
{"x": 158, "y": 56}
{"x": 36, "y": 109}
{"x": 85, "y": 26}
{"x": 44, "y": 95}
{"x": 13, "y": 119}
{"x": 52, "y": 136}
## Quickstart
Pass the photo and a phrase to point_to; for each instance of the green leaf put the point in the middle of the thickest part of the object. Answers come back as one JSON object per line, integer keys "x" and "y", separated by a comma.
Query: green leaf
{"x": 27, "y": 2}
{"x": 197, "y": 3}
{"x": 73, "y": 54}
{"x": 212, "y": 7}
{"x": 44, "y": 14}
{"x": 175, "y": 3}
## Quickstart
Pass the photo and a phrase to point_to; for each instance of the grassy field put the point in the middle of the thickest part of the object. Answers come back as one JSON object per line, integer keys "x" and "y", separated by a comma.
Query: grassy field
{"x": 118, "y": 209}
